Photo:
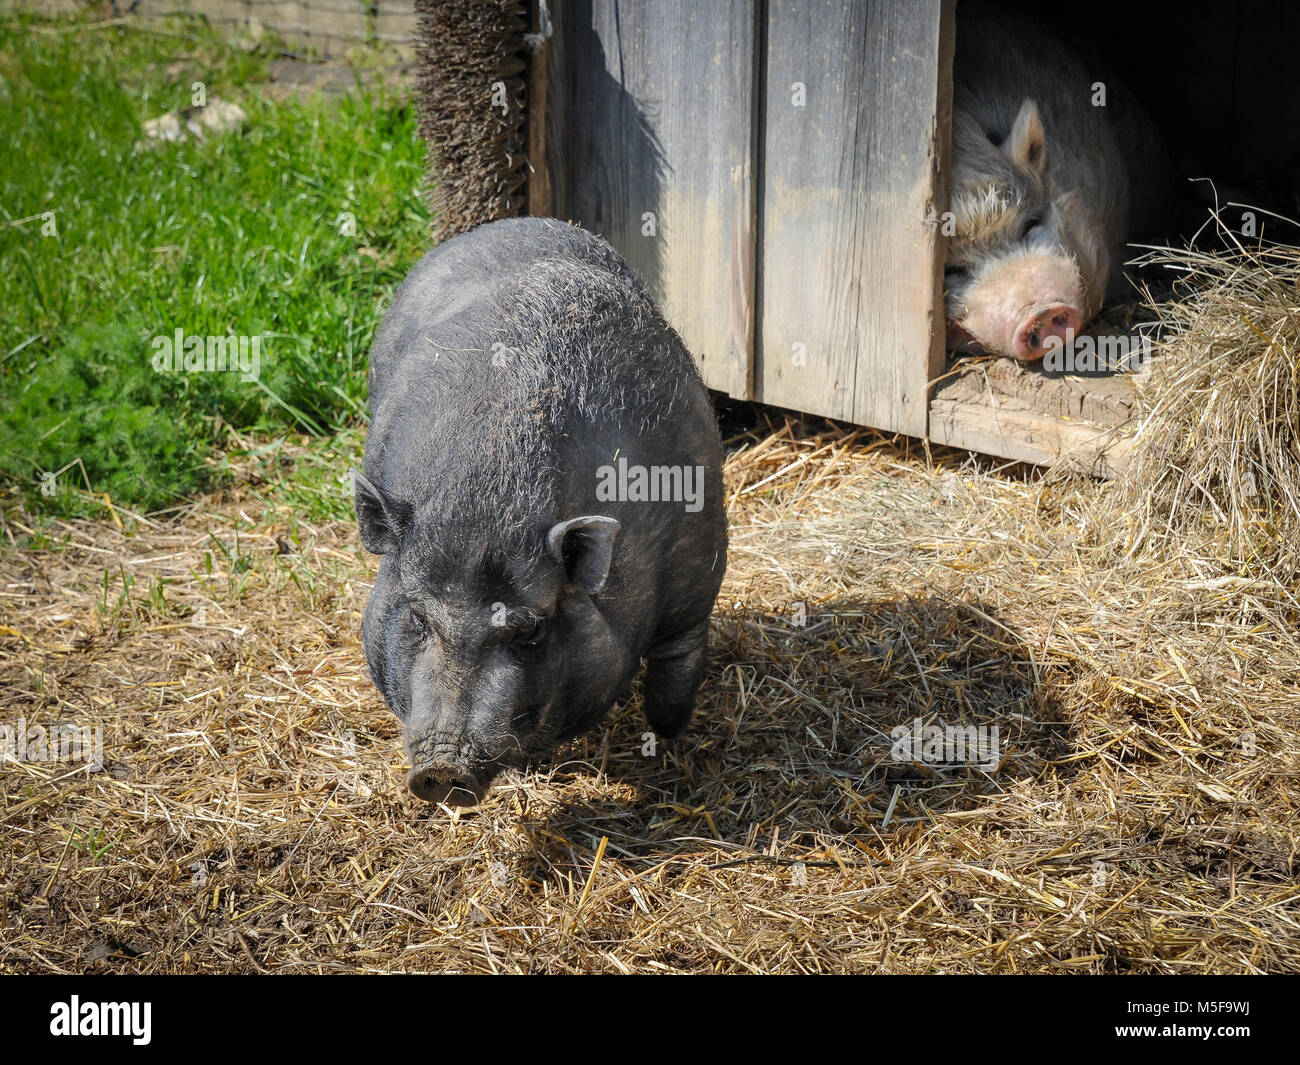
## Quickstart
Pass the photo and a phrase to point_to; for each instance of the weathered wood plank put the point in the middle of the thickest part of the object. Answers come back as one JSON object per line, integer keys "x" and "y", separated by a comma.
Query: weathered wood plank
{"x": 850, "y": 267}
{"x": 539, "y": 177}
{"x": 1030, "y": 436}
{"x": 651, "y": 146}
{"x": 1004, "y": 384}
{"x": 999, "y": 407}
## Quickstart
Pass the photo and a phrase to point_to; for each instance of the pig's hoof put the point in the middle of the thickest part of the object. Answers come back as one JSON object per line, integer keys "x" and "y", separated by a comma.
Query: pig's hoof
{"x": 667, "y": 719}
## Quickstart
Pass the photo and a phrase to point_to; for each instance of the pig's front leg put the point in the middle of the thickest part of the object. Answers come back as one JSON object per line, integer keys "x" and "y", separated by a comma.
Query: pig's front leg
{"x": 674, "y": 667}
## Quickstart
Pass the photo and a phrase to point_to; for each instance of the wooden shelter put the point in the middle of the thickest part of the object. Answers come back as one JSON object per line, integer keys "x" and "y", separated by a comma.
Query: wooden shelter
{"x": 775, "y": 170}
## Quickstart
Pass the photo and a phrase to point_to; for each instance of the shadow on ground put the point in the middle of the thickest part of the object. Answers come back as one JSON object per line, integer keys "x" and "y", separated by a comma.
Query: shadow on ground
{"x": 821, "y": 735}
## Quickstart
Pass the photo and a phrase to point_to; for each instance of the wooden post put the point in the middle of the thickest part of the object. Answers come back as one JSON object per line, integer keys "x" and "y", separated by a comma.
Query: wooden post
{"x": 539, "y": 178}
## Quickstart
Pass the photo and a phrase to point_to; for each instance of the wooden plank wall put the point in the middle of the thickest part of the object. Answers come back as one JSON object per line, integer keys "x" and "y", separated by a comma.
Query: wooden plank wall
{"x": 850, "y": 266}
{"x": 788, "y": 153}
{"x": 651, "y": 133}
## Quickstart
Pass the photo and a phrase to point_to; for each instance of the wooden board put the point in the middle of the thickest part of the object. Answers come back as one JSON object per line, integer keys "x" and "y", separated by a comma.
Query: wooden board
{"x": 855, "y": 124}
{"x": 539, "y": 176}
{"x": 997, "y": 407}
{"x": 651, "y": 127}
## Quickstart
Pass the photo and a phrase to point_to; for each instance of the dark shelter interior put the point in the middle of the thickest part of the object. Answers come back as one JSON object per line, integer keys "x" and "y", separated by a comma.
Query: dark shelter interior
{"x": 1221, "y": 82}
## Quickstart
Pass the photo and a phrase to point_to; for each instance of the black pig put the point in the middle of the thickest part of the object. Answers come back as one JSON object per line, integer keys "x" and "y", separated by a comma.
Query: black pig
{"x": 543, "y": 478}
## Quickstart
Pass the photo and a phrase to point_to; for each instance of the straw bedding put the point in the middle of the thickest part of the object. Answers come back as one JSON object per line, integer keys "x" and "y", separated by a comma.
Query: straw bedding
{"x": 1134, "y": 643}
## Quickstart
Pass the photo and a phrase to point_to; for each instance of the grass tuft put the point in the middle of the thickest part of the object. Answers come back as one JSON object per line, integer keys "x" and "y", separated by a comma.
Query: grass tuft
{"x": 295, "y": 229}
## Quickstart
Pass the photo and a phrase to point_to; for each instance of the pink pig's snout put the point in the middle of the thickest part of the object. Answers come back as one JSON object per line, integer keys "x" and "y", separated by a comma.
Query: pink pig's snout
{"x": 1019, "y": 303}
{"x": 1040, "y": 324}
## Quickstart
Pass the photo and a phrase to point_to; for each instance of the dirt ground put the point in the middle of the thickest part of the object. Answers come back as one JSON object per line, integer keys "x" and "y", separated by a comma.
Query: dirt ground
{"x": 250, "y": 812}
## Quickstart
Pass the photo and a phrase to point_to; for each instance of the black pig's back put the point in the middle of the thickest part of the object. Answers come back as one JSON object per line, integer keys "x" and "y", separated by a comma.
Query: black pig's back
{"x": 515, "y": 360}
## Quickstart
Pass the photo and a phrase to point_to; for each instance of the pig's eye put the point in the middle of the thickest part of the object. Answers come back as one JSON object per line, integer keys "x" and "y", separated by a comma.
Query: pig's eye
{"x": 1031, "y": 223}
{"x": 531, "y": 633}
{"x": 418, "y": 623}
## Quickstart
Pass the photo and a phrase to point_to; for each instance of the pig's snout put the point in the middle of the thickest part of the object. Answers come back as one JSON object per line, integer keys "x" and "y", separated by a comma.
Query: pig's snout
{"x": 1040, "y": 324}
{"x": 1018, "y": 302}
{"x": 445, "y": 783}
{"x": 447, "y": 769}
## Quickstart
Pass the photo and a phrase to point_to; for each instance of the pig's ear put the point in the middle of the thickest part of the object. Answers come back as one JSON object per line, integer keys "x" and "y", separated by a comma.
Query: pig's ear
{"x": 1026, "y": 146}
{"x": 383, "y": 519}
{"x": 585, "y": 547}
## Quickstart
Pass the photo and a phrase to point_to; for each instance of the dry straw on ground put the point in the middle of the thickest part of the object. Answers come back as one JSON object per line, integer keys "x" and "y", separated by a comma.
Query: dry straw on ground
{"x": 251, "y": 816}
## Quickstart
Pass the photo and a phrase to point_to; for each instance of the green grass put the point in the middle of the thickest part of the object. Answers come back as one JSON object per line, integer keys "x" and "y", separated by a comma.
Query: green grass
{"x": 237, "y": 235}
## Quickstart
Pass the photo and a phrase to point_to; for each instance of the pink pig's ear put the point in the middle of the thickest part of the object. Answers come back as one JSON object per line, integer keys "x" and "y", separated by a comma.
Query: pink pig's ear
{"x": 1026, "y": 146}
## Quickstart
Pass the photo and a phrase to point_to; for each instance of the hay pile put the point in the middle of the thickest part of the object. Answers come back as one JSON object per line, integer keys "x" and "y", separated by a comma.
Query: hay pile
{"x": 1218, "y": 457}
{"x": 251, "y": 814}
